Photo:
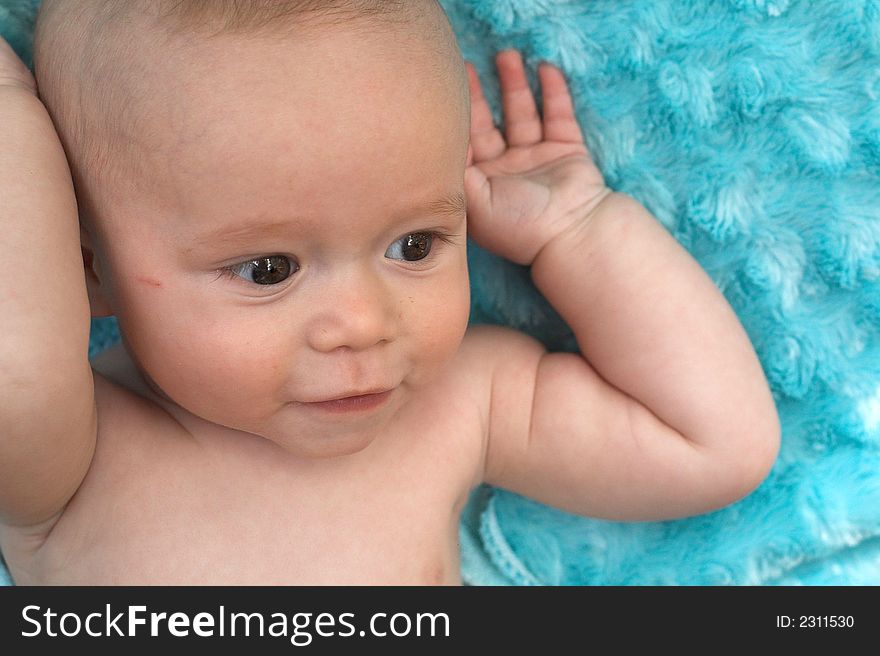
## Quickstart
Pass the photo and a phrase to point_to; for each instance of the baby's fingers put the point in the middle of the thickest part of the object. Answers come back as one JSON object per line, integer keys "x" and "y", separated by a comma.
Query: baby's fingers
{"x": 486, "y": 141}
{"x": 521, "y": 121}
{"x": 560, "y": 123}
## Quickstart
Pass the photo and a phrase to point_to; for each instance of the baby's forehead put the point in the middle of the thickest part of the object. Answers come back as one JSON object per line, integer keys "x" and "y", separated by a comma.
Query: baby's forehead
{"x": 155, "y": 97}
{"x": 154, "y": 67}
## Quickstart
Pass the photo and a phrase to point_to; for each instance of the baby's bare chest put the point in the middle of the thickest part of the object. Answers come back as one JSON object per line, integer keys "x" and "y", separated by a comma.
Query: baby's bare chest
{"x": 163, "y": 509}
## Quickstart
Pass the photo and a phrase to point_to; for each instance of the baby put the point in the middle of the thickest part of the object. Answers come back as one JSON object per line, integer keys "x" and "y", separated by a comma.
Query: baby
{"x": 274, "y": 199}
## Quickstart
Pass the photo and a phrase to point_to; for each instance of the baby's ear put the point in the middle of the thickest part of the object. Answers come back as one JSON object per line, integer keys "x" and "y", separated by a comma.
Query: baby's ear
{"x": 94, "y": 276}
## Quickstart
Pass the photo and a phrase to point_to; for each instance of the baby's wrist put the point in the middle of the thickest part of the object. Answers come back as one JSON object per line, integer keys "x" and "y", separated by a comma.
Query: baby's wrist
{"x": 575, "y": 267}
{"x": 575, "y": 231}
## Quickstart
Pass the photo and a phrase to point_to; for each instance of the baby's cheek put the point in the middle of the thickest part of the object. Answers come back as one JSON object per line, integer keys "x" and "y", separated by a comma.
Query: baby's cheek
{"x": 217, "y": 369}
{"x": 441, "y": 319}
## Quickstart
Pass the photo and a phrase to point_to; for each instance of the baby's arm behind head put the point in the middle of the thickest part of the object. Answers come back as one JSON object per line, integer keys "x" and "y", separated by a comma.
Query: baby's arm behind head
{"x": 47, "y": 417}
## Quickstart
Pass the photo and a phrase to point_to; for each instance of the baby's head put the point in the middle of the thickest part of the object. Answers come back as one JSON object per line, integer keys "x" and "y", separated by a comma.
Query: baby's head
{"x": 272, "y": 202}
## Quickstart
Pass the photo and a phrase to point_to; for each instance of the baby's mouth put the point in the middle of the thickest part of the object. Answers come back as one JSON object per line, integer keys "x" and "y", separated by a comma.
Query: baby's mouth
{"x": 355, "y": 402}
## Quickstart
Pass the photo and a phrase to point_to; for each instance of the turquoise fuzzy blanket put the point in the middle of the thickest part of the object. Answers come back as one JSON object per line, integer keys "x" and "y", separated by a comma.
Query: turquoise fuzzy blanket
{"x": 751, "y": 129}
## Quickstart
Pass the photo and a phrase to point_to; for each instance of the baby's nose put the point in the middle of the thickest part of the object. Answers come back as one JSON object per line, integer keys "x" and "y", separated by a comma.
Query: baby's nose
{"x": 354, "y": 315}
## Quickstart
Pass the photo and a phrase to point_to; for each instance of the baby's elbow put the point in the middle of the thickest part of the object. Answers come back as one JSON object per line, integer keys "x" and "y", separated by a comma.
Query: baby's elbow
{"x": 757, "y": 447}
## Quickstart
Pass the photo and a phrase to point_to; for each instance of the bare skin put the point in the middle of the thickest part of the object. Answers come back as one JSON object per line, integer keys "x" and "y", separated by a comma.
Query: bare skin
{"x": 163, "y": 505}
{"x": 200, "y": 471}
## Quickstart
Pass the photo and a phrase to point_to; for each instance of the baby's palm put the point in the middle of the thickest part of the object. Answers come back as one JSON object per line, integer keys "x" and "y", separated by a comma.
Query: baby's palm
{"x": 529, "y": 187}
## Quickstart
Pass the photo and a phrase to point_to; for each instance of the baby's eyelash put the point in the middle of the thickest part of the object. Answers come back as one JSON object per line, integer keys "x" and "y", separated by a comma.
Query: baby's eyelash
{"x": 446, "y": 237}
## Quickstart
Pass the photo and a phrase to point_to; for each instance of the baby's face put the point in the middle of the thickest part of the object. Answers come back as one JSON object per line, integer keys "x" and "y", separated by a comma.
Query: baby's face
{"x": 306, "y": 237}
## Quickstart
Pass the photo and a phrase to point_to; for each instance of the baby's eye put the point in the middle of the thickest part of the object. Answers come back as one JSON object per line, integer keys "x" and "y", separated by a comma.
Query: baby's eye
{"x": 269, "y": 270}
{"x": 412, "y": 247}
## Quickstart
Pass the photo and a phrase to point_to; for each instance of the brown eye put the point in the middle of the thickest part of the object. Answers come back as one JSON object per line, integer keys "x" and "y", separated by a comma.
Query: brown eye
{"x": 412, "y": 247}
{"x": 269, "y": 270}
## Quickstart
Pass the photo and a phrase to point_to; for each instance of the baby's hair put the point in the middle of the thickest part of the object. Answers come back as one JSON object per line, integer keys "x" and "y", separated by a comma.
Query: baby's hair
{"x": 88, "y": 66}
{"x": 254, "y": 16}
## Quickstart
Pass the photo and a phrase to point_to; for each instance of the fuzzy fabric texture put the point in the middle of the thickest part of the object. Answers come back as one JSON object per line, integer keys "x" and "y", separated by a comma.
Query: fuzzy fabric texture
{"x": 751, "y": 129}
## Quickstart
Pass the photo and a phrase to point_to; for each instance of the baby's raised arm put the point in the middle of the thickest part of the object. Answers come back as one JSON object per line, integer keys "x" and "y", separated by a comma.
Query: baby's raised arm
{"x": 667, "y": 411}
{"x": 47, "y": 409}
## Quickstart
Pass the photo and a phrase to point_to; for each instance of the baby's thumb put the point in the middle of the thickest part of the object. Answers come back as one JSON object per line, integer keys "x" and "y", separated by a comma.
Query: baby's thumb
{"x": 477, "y": 191}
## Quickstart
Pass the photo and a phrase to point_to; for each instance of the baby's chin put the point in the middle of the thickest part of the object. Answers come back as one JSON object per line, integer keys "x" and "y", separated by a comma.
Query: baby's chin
{"x": 317, "y": 446}
{"x": 337, "y": 448}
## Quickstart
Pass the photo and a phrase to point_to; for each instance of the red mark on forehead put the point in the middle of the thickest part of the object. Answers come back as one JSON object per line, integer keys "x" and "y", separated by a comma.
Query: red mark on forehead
{"x": 152, "y": 282}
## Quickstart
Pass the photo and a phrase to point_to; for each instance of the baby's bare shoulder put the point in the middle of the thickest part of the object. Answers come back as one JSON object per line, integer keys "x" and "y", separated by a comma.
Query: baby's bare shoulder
{"x": 492, "y": 356}
{"x": 126, "y": 415}
{"x": 490, "y": 360}
{"x": 132, "y": 421}
{"x": 486, "y": 348}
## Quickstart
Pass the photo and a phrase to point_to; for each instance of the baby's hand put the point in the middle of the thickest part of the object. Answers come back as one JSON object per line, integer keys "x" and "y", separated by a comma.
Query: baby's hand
{"x": 13, "y": 72}
{"x": 540, "y": 181}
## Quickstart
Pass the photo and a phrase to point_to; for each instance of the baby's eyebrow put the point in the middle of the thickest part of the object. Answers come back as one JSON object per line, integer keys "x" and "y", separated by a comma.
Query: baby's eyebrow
{"x": 231, "y": 235}
{"x": 451, "y": 205}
